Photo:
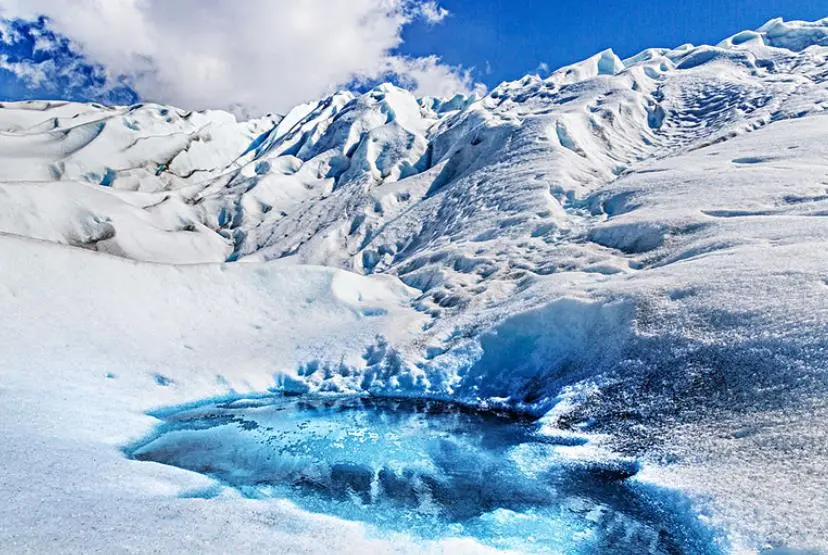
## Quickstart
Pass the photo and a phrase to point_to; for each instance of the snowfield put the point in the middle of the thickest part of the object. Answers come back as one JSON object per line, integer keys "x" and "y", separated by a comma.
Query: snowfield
{"x": 633, "y": 251}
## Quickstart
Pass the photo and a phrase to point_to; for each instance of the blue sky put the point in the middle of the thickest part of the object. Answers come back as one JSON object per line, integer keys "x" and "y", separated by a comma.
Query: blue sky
{"x": 279, "y": 53}
{"x": 511, "y": 38}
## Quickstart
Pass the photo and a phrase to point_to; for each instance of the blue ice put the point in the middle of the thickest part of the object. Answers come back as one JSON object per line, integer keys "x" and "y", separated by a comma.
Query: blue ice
{"x": 430, "y": 469}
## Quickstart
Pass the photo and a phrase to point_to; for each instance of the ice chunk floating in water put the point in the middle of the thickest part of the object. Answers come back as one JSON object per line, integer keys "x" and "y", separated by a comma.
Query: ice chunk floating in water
{"x": 431, "y": 469}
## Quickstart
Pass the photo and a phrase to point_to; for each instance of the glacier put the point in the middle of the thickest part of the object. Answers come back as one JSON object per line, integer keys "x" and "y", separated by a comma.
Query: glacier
{"x": 630, "y": 251}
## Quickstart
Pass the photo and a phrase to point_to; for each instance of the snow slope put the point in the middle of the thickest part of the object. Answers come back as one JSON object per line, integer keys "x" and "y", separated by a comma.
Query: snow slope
{"x": 116, "y": 179}
{"x": 90, "y": 342}
{"x": 634, "y": 249}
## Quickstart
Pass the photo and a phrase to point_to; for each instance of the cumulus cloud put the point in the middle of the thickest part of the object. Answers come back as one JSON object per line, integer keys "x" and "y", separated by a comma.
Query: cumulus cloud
{"x": 427, "y": 76}
{"x": 433, "y": 12}
{"x": 34, "y": 74}
{"x": 264, "y": 55}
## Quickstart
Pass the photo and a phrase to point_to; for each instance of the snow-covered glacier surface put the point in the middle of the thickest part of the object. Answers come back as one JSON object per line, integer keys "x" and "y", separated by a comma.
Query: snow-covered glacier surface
{"x": 630, "y": 252}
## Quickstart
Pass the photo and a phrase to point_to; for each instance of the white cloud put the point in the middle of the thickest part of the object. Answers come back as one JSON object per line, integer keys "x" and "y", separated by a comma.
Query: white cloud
{"x": 433, "y": 12}
{"x": 31, "y": 73}
{"x": 429, "y": 77}
{"x": 265, "y": 55}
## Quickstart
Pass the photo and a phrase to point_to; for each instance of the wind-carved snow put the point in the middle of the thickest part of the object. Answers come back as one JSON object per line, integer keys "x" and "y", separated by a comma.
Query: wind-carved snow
{"x": 633, "y": 249}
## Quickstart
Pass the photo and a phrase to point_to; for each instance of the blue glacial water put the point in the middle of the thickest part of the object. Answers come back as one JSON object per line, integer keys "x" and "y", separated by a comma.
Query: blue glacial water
{"x": 430, "y": 469}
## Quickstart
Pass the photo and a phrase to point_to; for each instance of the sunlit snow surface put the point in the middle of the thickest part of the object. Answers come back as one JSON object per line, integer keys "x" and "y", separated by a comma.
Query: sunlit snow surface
{"x": 633, "y": 249}
{"x": 428, "y": 468}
